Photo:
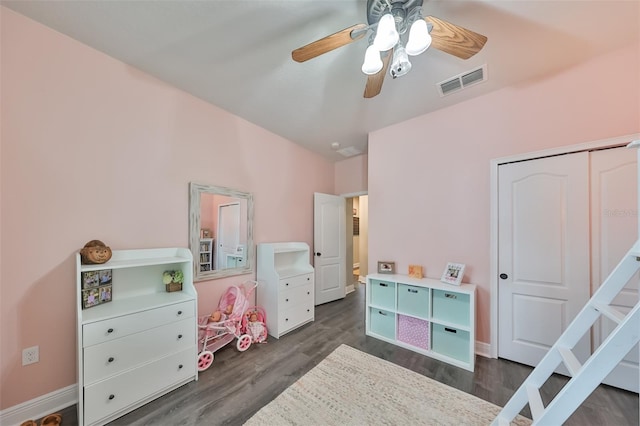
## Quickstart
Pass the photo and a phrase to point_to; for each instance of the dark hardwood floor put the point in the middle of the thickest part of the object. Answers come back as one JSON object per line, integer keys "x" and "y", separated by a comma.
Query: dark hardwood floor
{"x": 239, "y": 384}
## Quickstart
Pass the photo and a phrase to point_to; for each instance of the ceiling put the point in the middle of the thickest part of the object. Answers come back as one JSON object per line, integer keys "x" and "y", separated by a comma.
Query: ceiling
{"x": 236, "y": 54}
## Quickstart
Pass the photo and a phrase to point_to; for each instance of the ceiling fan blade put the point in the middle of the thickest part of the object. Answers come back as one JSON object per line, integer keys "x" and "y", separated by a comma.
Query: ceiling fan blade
{"x": 453, "y": 39}
{"x": 374, "y": 82}
{"x": 330, "y": 42}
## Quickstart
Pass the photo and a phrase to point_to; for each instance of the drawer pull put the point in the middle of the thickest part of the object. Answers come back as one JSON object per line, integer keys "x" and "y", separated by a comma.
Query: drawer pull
{"x": 286, "y": 300}
{"x": 410, "y": 290}
{"x": 450, "y": 330}
{"x": 450, "y": 296}
{"x": 111, "y": 359}
{"x": 384, "y": 285}
{"x": 179, "y": 336}
{"x": 180, "y": 367}
{"x": 286, "y": 284}
{"x": 308, "y": 278}
{"x": 308, "y": 310}
{"x": 179, "y": 312}
{"x": 109, "y": 331}
{"x": 382, "y": 313}
{"x": 286, "y": 319}
{"x": 111, "y": 397}
{"x": 308, "y": 292}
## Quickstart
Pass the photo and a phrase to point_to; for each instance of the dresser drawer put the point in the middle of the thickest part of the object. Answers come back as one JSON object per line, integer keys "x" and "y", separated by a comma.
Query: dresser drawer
{"x": 413, "y": 300}
{"x": 103, "y": 331}
{"x": 300, "y": 295}
{"x": 107, "y": 397}
{"x": 110, "y": 358}
{"x": 451, "y": 306}
{"x": 295, "y": 316}
{"x": 383, "y": 294}
{"x": 298, "y": 280}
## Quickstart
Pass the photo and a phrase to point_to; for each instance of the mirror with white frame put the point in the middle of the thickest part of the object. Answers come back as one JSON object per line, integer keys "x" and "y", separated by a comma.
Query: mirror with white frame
{"x": 220, "y": 231}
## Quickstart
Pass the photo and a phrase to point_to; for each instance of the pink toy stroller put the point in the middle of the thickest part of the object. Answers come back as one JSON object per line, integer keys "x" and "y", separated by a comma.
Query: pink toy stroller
{"x": 254, "y": 323}
{"x": 213, "y": 335}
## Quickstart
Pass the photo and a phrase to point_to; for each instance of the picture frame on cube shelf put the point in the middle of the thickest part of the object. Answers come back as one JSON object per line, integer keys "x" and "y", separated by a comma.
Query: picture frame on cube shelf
{"x": 453, "y": 273}
{"x": 386, "y": 267}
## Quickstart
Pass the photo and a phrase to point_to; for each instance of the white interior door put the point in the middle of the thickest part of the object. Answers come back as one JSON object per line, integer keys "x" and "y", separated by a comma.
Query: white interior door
{"x": 228, "y": 238}
{"x": 543, "y": 257}
{"x": 329, "y": 247}
{"x": 614, "y": 229}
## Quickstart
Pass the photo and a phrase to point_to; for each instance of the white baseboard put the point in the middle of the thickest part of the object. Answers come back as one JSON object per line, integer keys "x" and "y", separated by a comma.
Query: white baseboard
{"x": 350, "y": 289}
{"x": 362, "y": 279}
{"x": 483, "y": 349}
{"x": 40, "y": 406}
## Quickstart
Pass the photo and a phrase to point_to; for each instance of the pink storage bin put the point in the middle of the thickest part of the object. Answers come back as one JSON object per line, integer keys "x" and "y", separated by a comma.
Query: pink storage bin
{"x": 413, "y": 331}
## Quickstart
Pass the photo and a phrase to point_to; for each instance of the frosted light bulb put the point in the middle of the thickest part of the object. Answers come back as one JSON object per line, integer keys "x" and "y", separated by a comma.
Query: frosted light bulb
{"x": 386, "y": 36}
{"x": 372, "y": 63}
{"x": 419, "y": 38}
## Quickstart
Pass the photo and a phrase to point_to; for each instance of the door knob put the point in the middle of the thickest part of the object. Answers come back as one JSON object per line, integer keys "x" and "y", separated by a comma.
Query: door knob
{"x": 504, "y": 276}
{"x": 318, "y": 254}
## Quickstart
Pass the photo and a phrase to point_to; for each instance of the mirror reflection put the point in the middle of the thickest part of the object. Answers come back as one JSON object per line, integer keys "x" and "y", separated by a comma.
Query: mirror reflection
{"x": 221, "y": 224}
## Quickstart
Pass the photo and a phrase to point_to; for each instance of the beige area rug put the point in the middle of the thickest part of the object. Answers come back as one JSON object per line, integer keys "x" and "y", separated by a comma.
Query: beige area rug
{"x": 350, "y": 387}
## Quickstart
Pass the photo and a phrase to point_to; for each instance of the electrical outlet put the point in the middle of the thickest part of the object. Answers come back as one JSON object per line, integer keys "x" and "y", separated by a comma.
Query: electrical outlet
{"x": 30, "y": 355}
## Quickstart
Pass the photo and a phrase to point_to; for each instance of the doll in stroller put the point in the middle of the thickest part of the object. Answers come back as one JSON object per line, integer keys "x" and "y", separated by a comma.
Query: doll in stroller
{"x": 225, "y": 324}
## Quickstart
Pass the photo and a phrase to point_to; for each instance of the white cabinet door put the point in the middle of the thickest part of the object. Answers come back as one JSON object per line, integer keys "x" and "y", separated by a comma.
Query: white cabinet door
{"x": 614, "y": 229}
{"x": 329, "y": 247}
{"x": 543, "y": 255}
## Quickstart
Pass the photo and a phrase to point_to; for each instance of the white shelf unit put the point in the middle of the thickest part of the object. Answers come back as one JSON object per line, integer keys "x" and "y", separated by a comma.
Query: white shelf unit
{"x": 285, "y": 286}
{"x": 206, "y": 254}
{"x": 423, "y": 315}
{"x": 143, "y": 343}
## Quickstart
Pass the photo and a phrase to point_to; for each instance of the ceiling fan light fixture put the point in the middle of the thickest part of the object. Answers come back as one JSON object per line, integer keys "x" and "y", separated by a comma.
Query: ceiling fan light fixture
{"x": 387, "y": 35}
{"x": 419, "y": 38}
{"x": 372, "y": 63}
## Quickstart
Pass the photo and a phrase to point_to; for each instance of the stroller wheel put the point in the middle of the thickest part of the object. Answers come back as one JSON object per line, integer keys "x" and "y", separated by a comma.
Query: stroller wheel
{"x": 205, "y": 359}
{"x": 244, "y": 342}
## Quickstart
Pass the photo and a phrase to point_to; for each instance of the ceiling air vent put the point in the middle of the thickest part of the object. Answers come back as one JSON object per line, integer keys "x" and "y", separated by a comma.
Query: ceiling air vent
{"x": 349, "y": 151}
{"x": 462, "y": 81}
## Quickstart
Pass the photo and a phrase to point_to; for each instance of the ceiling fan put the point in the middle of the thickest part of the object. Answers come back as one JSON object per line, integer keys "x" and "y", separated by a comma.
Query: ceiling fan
{"x": 387, "y": 22}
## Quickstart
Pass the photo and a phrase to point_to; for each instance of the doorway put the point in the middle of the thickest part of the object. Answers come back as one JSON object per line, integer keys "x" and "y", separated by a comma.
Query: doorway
{"x": 357, "y": 240}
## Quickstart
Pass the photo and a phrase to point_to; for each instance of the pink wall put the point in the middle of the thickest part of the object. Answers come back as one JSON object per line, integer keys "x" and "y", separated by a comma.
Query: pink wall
{"x": 351, "y": 175}
{"x": 92, "y": 148}
{"x": 429, "y": 177}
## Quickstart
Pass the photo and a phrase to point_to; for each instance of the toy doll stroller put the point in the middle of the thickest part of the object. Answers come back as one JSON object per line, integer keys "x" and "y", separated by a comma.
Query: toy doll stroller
{"x": 214, "y": 333}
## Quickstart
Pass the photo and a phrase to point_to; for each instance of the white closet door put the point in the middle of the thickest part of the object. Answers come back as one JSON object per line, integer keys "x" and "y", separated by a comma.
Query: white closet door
{"x": 543, "y": 239}
{"x": 614, "y": 229}
{"x": 329, "y": 247}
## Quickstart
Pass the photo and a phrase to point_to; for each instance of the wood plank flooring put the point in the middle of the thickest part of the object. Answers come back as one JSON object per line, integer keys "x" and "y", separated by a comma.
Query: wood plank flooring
{"x": 239, "y": 384}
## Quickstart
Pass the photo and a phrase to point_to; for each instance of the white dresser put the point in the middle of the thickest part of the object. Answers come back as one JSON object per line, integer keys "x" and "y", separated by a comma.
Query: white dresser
{"x": 285, "y": 286}
{"x": 141, "y": 344}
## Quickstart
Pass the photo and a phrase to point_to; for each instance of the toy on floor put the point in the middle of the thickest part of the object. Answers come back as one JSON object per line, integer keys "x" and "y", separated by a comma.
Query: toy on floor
{"x": 225, "y": 324}
{"x": 254, "y": 323}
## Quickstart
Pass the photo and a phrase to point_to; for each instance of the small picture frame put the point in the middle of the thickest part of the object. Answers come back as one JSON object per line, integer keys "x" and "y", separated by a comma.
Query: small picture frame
{"x": 90, "y": 297}
{"x": 386, "y": 267}
{"x": 453, "y": 273}
{"x": 90, "y": 279}
{"x": 105, "y": 276}
{"x": 106, "y": 292}
{"x": 415, "y": 271}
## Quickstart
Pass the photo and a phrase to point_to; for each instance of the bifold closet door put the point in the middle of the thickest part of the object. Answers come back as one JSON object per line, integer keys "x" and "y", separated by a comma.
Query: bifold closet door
{"x": 543, "y": 259}
{"x": 614, "y": 229}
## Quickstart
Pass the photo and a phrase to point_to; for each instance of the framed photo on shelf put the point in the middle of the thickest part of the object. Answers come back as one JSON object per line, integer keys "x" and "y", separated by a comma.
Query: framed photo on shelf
{"x": 90, "y": 279}
{"x": 90, "y": 297}
{"x": 105, "y": 276}
{"x": 385, "y": 267}
{"x": 105, "y": 293}
{"x": 453, "y": 273}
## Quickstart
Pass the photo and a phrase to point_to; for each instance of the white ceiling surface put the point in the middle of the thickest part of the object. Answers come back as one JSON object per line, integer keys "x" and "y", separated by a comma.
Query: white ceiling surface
{"x": 236, "y": 54}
